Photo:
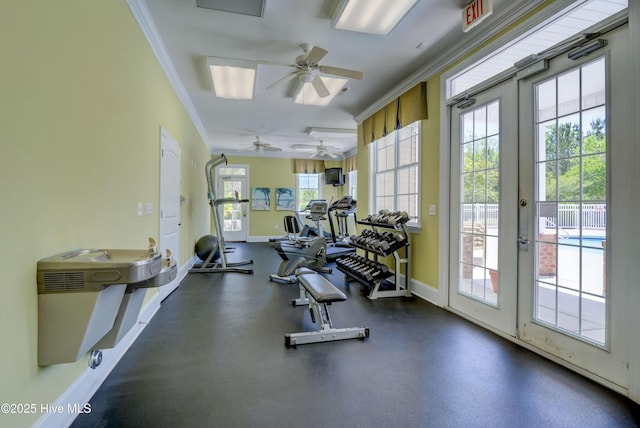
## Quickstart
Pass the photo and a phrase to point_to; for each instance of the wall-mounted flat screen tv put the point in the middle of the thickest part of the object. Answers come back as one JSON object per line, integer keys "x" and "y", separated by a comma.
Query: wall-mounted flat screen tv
{"x": 333, "y": 176}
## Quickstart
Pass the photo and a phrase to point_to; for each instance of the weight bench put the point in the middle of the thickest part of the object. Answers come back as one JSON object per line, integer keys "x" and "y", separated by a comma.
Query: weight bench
{"x": 317, "y": 292}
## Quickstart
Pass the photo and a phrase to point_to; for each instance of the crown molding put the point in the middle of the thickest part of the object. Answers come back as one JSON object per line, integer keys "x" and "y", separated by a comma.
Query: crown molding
{"x": 142, "y": 15}
{"x": 498, "y": 22}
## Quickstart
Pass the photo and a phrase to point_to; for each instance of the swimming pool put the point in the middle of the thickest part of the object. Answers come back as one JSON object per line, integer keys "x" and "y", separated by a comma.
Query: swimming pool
{"x": 587, "y": 241}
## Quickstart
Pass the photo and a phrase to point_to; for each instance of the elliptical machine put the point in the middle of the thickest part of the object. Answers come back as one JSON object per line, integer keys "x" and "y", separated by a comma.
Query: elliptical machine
{"x": 297, "y": 251}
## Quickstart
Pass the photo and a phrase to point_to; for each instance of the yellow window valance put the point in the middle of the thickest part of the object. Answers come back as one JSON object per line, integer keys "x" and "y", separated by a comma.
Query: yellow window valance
{"x": 406, "y": 109}
{"x": 412, "y": 105}
{"x": 350, "y": 163}
{"x": 308, "y": 166}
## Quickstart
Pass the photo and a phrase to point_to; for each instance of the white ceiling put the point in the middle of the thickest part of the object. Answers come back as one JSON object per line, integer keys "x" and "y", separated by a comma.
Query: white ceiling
{"x": 189, "y": 34}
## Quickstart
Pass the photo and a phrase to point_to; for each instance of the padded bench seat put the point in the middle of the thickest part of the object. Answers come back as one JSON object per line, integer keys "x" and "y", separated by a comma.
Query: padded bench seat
{"x": 319, "y": 287}
{"x": 318, "y": 292}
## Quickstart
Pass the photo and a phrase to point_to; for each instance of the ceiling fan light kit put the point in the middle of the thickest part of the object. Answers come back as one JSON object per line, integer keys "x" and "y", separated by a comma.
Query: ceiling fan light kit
{"x": 307, "y": 85}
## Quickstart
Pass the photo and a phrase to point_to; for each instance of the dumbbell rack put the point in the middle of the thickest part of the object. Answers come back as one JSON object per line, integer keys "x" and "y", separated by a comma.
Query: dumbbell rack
{"x": 373, "y": 273}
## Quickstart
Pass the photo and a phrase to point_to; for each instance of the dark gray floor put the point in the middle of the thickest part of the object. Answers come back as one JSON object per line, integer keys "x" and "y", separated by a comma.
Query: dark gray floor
{"x": 214, "y": 355}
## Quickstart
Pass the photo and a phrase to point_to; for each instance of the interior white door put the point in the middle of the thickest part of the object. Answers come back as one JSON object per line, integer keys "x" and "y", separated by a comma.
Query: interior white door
{"x": 573, "y": 283}
{"x": 169, "y": 203}
{"x": 484, "y": 209}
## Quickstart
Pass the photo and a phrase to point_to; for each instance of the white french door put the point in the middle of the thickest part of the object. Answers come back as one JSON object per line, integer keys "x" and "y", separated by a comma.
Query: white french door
{"x": 484, "y": 209}
{"x": 573, "y": 142}
{"x": 234, "y": 215}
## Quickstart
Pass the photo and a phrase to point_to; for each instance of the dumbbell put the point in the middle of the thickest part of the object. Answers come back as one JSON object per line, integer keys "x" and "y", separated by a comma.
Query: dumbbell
{"x": 350, "y": 264}
{"x": 359, "y": 270}
{"x": 373, "y": 272}
{"x": 349, "y": 261}
{"x": 400, "y": 217}
{"x": 367, "y": 233}
{"x": 378, "y": 244}
{"x": 384, "y": 269}
{"x": 371, "y": 218}
{"x": 380, "y": 269}
{"x": 393, "y": 220}
{"x": 364, "y": 268}
{"x": 386, "y": 235}
{"x": 345, "y": 261}
{"x": 373, "y": 242}
{"x": 382, "y": 245}
{"x": 346, "y": 267}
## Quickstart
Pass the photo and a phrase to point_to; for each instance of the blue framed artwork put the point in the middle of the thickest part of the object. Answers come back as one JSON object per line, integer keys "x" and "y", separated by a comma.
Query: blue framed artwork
{"x": 285, "y": 199}
{"x": 260, "y": 198}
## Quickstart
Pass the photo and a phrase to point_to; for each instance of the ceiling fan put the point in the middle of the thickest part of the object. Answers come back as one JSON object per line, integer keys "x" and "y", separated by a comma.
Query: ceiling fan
{"x": 321, "y": 150}
{"x": 259, "y": 146}
{"x": 308, "y": 70}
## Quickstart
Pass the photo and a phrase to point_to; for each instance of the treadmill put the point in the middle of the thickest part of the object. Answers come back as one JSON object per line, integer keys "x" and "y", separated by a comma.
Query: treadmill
{"x": 342, "y": 209}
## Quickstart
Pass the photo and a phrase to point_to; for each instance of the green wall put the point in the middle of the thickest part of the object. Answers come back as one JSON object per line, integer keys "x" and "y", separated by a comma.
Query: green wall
{"x": 83, "y": 100}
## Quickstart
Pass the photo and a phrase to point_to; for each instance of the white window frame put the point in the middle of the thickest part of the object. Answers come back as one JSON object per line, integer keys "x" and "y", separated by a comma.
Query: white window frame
{"x": 353, "y": 184}
{"x": 320, "y": 177}
{"x": 394, "y": 138}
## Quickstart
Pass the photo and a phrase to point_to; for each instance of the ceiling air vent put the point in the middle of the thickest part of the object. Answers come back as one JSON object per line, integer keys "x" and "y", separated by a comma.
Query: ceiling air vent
{"x": 63, "y": 281}
{"x": 242, "y": 7}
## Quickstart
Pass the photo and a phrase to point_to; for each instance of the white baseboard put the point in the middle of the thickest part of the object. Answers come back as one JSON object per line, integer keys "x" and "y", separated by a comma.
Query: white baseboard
{"x": 422, "y": 290}
{"x": 76, "y": 398}
{"x": 182, "y": 272}
{"x": 426, "y": 292}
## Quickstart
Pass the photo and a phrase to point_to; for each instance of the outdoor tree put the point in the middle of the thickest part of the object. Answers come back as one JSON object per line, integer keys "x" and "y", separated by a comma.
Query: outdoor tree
{"x": 581, "y": 162}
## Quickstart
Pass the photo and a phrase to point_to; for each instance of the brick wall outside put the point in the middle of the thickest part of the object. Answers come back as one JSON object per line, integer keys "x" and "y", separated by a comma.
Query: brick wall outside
{"x": 467, "y": 256}
{"x": 547, "y": 254}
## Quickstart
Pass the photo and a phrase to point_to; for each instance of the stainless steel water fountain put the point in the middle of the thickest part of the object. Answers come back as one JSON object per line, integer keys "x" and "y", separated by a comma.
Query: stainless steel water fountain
{"x": 81, "y": 297}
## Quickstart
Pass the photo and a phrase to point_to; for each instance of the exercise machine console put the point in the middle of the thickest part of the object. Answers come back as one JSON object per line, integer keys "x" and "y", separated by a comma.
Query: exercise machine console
{"x": 298, "y": 251}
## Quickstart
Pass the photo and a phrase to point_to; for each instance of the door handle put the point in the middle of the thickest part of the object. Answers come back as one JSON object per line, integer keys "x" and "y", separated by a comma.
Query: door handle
{"x": 523, "y": 227}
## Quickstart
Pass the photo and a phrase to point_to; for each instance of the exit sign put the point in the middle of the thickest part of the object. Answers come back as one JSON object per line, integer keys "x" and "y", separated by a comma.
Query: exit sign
{"x": 475, "y": 12}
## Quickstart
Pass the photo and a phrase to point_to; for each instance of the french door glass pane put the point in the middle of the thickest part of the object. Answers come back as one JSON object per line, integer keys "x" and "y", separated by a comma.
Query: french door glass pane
{"x": 232, "y": 212}
{"x": 479, "y": 199}
{"x": 571, "y": 202}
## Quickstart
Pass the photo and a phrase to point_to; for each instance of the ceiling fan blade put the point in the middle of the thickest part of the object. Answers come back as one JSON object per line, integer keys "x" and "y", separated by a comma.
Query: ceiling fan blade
{"x": 315, "y": 55}
{"x": 320, "y": 87}
{"x": 342, "y": 72}
{"x": 268, "y": 62}
{"x": 296, "y": 88}
{"x": 331, "y": 154}
{"x": 271, "y": 149}
{"x": 282, "y": 80}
